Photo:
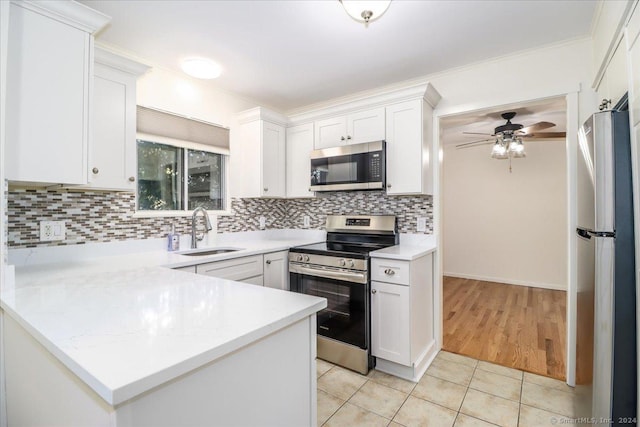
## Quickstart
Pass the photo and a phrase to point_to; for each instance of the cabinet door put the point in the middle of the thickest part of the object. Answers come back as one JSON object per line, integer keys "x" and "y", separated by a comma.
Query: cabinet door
{"x": 331, "y": 132}
{"x": 390, "y": 328}
{"x": 405, "y": 148}
{"x": 276, "y": 270}
{"x": 112, "y": 148}
{"x": 366, "y": 126}
{"x": 273, "y": 160}
{"x": 47, "y": 99}
{"x": 299, "y": 145}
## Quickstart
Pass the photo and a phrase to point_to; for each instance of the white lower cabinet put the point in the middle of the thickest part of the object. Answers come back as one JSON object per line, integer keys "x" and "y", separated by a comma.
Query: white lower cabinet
{"x": 276, "y": 270}
{"x": 246, "y": 269}
{"x": 390, "y": 326}
{"x": 402, "y": 334}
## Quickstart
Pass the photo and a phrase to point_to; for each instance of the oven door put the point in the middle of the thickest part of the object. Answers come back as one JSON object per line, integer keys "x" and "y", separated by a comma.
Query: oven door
{"x": 346, "y": 316}
{"x": 350, "y": 167}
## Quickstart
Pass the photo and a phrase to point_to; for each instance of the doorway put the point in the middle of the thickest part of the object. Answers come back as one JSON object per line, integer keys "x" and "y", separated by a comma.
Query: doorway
{"x": 504, "y": 239}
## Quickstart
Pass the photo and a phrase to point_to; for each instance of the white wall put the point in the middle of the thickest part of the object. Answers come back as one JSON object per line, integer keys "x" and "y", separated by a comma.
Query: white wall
{"x": 181, "y": 94}
{"x": 506, "y": 227}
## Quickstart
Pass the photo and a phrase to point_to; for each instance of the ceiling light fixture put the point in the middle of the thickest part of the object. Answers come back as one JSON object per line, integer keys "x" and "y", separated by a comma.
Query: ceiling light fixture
{"x": 508, "y": 146}
{"x": 201, "y": 68}
{"x": 365, "y": 10}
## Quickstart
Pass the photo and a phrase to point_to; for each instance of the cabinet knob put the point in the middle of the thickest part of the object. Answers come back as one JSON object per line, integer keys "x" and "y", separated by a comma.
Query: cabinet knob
{"x": 309, "y": 189}
{"x": 265, "y": 189}
{"x": 342, "y": 138}
{"x": 95, "y": 171}
{"x": 389, "y": 272}
{"x": 348, "y": 136}
{"x": 268, "y": 261}
{"x": 132, "y": 179}
{"x": 373, "y": 291}
{"x": 388, "y": 185}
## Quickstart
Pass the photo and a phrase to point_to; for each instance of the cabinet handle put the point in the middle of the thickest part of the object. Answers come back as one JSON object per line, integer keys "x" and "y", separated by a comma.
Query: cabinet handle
{"x": 388, "y": 185}
{"x": 348, "y": 136}
{"x": 342, "y": 138}
{"x": 132, "y": 179}
{"x": 268, "y": 261}
{"x": 95, "y": 171}
{"x": 265, "y": 189}
{"x": 373, "y": 291}
{"x": 389, "y": 272}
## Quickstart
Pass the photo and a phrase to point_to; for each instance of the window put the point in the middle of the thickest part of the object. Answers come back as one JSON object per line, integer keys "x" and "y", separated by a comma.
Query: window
{"x": 182, "y": 163}
{"x": 179, "y": 178}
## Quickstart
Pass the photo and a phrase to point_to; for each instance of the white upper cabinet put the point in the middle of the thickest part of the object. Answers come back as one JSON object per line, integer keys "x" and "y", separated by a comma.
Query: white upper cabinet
{"x": 410, "y": 150}
{"x": 331, "y": 132}
{"x": 258, "y": 154}
{"x": 48, "y": 86}
{"x": 366, "y": 126}
{"x": 361, "y": 126}
{"x": 299, "y": 146}
{"x": 112, "y": 146}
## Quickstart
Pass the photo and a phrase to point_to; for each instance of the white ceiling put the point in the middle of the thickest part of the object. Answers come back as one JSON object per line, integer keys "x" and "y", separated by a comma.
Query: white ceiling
{"x": 288, "y": 54}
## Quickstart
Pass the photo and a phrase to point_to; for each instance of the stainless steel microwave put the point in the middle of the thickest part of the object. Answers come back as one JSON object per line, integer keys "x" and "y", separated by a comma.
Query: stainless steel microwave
{"x": 349, "y": 167}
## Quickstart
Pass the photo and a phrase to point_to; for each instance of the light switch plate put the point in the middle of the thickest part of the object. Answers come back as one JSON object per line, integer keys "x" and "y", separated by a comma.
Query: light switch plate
{"x": 52, "y": 230}
{"x": 422, "y": 223}
{"x": 263, "y": 222}
{"x": 305, "y": 221}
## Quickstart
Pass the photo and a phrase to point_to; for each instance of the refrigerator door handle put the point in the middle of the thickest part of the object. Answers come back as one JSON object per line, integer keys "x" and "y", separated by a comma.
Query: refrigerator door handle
{"x": 587, "y": 233}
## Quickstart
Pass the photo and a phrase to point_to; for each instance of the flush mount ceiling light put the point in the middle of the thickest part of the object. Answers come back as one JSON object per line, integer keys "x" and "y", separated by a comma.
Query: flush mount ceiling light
{"x": 201, "y": 68}
{"x": 365, "y": 10}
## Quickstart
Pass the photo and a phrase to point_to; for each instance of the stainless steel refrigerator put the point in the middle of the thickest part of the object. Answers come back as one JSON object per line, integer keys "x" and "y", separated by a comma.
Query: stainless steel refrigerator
{"x": 606, "y": 364}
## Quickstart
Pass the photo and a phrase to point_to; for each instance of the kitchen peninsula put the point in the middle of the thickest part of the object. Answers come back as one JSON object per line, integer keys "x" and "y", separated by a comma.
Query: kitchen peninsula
{"x": 118, "y": 341}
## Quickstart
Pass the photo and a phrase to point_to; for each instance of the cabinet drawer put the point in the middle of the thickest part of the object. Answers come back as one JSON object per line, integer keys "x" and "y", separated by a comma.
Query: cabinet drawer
{"x": 233, "y": 269}
{"x": 390, "y": 271}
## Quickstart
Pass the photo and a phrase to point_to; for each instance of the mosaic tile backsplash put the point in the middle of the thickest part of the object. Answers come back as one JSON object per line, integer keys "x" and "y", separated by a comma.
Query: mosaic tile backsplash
{"x": 93, "y": 216}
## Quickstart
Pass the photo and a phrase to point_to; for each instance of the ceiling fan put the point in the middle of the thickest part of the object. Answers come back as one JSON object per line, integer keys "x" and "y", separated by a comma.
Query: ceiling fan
{"x": 510, "y": 132}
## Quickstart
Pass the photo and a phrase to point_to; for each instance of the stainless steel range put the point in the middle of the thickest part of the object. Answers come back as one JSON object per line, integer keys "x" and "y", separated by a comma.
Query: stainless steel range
{"x": 338, "y": 270}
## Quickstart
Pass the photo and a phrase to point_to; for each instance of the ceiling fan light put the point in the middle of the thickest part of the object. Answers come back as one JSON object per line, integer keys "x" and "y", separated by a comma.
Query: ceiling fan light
{"x": 365, "y": 11}
{"x": 499, "y": 151}
{"x": 518, "y": 151}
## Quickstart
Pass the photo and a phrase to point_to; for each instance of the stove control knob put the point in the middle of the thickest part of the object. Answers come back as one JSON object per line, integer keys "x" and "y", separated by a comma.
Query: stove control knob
{"x": 306, "y": 258}
{"x": 299, "y": 257}
{"x": 351, "y": 263}
{"x": 343, "y": 262}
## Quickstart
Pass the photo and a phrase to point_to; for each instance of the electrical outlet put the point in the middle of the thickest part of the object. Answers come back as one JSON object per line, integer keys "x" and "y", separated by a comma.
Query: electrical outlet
{"x": 422, "y": 223}
{"x": 305, "y": 221}
{"x": 263, "y": 222}
{"x": 52, "y": 230}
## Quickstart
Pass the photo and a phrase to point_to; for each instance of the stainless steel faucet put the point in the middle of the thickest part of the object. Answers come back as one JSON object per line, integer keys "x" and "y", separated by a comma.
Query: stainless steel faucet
{"x": 195, "y": 238}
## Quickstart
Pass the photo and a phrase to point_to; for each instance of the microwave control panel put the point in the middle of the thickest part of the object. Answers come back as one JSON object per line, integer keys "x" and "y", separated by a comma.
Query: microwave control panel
{"x": 375, "y": 165}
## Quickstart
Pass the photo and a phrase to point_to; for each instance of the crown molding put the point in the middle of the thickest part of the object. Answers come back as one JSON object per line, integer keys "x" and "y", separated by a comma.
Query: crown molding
{"x": 364, "y": 101}
{"x": 261, "y": 113}
{"x": 68, "y": 12}
{"x": 104, "y": 56}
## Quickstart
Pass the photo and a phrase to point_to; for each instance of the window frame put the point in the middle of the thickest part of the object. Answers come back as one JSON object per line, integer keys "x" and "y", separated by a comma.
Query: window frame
{"x": 190, "y": 146}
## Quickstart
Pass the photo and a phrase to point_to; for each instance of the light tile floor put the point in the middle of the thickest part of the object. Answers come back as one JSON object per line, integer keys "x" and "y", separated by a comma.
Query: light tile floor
{"x": 455, "y": 391}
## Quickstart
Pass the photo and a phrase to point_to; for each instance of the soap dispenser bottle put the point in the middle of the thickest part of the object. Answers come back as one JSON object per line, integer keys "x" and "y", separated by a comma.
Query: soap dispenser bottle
{"x": 173, "y": 240}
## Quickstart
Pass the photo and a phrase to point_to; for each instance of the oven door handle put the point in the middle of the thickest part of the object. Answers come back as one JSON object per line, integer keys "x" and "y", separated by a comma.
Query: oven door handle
{"x": 346, "y": 276}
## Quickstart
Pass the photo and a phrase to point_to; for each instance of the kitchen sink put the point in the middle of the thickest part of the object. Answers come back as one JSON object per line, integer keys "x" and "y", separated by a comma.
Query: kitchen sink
{"x": 208, "y": 251}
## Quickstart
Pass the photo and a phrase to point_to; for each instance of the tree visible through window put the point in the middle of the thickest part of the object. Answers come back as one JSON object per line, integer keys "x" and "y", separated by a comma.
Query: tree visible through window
{"x": 172, "y": 178}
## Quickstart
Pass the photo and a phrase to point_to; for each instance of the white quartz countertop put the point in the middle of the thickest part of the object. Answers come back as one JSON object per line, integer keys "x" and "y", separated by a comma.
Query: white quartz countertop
{"x": 410, "y": 248}
{"x": 124, "y": 324}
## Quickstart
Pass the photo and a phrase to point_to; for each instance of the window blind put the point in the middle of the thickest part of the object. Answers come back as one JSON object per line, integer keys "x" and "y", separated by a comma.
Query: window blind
{"x": 156, "y": 122}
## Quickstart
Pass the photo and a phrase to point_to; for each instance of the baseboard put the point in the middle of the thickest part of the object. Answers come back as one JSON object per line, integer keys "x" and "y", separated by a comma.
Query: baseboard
{"x": 553, "y": 286}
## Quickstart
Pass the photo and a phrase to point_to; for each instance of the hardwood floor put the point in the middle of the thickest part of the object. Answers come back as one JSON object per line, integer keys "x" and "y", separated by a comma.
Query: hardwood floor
{"x": 514, "y": 326}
